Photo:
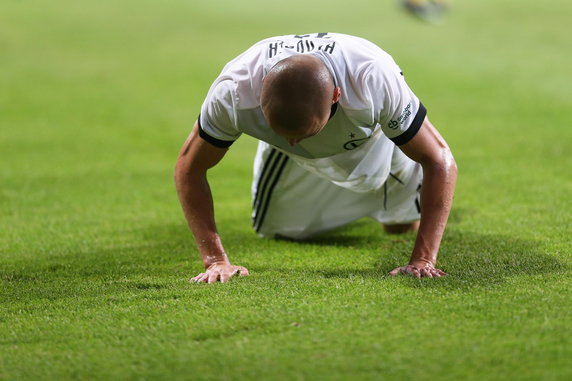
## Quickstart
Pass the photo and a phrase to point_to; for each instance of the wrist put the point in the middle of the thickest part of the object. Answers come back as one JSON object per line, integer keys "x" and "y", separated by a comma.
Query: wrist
{"x": 209, "y": 260}
{"x": 419, "y": 264}
{"x": 423, "y": 260}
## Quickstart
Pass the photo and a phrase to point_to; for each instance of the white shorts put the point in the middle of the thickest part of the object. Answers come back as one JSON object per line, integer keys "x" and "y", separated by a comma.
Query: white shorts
{"x": 290, "y": 202}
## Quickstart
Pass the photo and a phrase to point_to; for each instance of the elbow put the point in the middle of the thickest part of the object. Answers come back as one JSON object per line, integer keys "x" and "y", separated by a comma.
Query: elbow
{"x": 442, "y": 165}
{"x": 187, "y": 175}
{"x": 181, "y": 172}
{"x": 177, "y": 172}
{"x": 449, "y": 167}
{"x": 449, "y": 163}
{"x": 452, "y": 164}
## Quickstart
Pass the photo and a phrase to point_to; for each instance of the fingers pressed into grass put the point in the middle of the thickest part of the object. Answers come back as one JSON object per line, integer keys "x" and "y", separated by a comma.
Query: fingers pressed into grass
{"x": 417, "y": 272}
{"x": 220, "y": 273}
{"x": 426, "y": 273}
{"x": 199, "y": 278}
{"x": 225, "y": 276}
{"x": 213, "y": 277}
{"x": 410, "y": 270}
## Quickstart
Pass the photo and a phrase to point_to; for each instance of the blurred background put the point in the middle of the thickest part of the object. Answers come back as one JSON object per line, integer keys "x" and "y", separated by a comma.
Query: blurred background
{"x": 96, "y": 99}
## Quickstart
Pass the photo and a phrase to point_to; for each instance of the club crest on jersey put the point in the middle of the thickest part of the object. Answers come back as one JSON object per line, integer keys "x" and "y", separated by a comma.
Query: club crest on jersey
{"x": 355, "y": 143}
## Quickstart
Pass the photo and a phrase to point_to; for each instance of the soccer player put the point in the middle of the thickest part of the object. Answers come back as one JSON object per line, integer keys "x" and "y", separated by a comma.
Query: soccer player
{"x": 342, "y": 137}
{"x": 428, "y": 10}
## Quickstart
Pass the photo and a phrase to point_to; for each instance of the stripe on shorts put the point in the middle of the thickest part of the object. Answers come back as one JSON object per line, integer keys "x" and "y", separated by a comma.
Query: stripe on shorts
{"x": 417, "y": 197}
{"x": 273, "y": 167}
{"x": 385, "y": 195}
{"x": 267, "y": 164}
{"x": 396, "y": 178}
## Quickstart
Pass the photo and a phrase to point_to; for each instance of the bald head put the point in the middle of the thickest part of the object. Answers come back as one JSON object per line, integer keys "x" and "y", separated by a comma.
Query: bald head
{"x": 297, "y": 94}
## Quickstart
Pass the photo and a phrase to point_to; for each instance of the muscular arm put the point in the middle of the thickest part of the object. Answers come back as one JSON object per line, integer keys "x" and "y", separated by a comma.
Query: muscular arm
{"x": 195, "y": 158}
{"x": 439, "y": 176}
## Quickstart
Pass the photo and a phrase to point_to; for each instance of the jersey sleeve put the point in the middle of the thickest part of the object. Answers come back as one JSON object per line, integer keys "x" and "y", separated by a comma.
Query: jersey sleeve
{"x": 217, "y": 121}
{"x": 397, "y": 109}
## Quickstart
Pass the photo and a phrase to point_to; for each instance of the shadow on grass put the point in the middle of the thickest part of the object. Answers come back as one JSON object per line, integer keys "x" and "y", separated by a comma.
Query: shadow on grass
{"x": 149, "y": 263}
{"x": 110, "y": 266}
{"x": 470, "y": 259}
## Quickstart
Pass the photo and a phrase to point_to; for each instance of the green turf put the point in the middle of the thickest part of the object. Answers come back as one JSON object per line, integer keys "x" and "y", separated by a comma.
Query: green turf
{"x": 96, "y": 99}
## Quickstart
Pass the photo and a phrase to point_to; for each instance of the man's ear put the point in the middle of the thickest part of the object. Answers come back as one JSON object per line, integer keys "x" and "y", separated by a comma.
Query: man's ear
{"x": 337, "y": 94}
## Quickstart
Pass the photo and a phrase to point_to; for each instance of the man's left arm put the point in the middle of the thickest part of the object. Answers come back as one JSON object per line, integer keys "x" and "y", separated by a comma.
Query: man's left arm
{"x": 429, "y": 149}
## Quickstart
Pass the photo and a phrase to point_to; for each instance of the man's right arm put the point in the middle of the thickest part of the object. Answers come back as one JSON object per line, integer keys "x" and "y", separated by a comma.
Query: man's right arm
{"x": 195, "y": 158}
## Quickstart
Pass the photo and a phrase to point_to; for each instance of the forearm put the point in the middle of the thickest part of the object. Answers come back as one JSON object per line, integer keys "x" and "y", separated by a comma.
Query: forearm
{"x": 436, "y": 200}
{"x": 196, "y": 201}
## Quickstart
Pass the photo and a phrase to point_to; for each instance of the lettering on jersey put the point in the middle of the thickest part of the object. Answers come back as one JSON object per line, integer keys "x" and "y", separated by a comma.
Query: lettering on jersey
{"x": 353, "y": 144}
{"x": 405, "y": 114}
{"x": 273, "y": 48}
{"x": 305, "y": 45}
{"x": 329, "y": 48}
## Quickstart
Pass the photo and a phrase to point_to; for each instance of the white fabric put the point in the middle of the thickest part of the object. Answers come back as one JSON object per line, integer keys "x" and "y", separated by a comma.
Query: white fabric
{"x": 363, "y": 169}
{"x": 302, "y": 205}
{"x": 373, "y": 94}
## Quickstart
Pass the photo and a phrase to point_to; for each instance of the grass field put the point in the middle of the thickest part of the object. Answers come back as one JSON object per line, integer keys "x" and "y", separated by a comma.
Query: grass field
{"x": 96, "y": 98}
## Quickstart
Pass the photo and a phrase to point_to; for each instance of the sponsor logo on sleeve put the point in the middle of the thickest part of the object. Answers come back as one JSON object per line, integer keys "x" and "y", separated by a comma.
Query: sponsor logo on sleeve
{"x": 405, "y": 114}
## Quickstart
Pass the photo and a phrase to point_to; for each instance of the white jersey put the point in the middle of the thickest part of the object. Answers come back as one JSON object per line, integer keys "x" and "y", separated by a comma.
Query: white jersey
{"x": 376, "y": 109}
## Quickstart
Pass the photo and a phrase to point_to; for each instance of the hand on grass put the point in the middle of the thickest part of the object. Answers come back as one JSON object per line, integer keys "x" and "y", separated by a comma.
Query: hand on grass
{"x": 419, "y": 270}
{"x": 220, "y": 272}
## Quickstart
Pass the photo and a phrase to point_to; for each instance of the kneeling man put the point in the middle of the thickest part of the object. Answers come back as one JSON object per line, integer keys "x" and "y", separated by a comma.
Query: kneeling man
{"x": 342, "y": 136}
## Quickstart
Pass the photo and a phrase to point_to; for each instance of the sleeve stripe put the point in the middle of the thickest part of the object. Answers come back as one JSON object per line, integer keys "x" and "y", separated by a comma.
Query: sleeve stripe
{"x": 413, "y": 128}
{"x": 214, "y": 141}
